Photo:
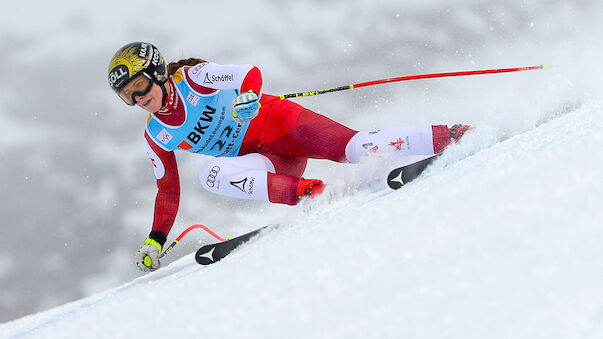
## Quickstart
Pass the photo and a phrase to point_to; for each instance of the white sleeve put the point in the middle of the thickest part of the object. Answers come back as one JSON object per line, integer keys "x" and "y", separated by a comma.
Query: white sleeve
{"x": 212, "y": 75}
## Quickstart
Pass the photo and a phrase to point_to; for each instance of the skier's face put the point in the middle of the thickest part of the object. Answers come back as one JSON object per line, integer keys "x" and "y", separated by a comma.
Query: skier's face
{"x": 139, "y": 85}
{"x": 151, "y": 101}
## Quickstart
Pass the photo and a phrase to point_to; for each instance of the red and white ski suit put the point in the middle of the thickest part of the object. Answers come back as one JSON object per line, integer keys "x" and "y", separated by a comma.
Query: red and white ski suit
{"x": 275, "y": 148}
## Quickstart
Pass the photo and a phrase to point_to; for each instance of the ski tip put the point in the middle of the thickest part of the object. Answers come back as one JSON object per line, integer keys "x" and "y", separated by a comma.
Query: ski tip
{"x": 545, "y": 66}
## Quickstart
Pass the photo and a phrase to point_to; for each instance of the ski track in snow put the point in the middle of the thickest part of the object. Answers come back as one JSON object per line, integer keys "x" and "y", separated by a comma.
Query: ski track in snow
{"x": 495, "y": 240}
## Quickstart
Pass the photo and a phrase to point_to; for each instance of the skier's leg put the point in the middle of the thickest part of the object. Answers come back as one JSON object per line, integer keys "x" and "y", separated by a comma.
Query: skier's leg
{"x": 294, "y": 131}
{"x": 255, "y": 176}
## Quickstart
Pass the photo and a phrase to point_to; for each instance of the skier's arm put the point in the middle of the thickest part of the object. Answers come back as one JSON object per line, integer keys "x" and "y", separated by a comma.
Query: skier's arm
{"x": 166, "y": 205}
{"x": 168, "y": 190}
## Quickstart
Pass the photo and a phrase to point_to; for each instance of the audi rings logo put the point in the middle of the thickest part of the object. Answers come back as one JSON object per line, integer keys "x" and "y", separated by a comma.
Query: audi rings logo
{"x": 211, "y": 177}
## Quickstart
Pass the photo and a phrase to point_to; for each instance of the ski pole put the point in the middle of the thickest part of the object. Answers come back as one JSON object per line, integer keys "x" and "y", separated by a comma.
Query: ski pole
{"x": 403, "y": 78}
{"x": 169, "y": 248}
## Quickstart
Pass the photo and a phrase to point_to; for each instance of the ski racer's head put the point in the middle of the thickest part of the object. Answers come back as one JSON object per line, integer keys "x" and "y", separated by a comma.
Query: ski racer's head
{"x": 137, "y": 73}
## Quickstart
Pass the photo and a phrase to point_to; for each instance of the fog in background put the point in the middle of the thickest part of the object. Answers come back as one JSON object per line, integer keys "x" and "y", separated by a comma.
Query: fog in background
{"x": 78, "y": 189}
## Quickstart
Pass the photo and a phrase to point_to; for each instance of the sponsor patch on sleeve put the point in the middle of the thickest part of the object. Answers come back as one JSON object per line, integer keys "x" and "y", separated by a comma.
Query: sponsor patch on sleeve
{"x": 164, "y": 136}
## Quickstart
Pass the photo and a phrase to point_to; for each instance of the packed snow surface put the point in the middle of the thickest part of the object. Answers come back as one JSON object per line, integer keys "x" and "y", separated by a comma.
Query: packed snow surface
{"x": 492, "y": 242}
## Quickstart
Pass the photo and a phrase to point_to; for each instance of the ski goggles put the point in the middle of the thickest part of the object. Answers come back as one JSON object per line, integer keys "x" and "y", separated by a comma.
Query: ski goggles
{"x": 139, "y": 85}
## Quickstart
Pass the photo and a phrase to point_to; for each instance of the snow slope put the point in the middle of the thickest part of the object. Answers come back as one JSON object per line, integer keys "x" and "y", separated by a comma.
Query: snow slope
{"x": 496, "y": 240}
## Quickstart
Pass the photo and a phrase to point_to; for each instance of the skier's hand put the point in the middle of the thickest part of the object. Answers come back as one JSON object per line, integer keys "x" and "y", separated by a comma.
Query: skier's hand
{"x": 245, "y": 106}
{"x": 147, "y": 257}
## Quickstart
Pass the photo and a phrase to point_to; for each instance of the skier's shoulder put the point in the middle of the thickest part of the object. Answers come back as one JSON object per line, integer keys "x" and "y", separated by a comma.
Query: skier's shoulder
{"x": 188, "y": 71}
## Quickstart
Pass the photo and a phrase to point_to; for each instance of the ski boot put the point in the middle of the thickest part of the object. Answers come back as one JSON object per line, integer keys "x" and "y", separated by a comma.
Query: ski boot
{"x": 309, "y": 188}
{"x": 457, "y": 131}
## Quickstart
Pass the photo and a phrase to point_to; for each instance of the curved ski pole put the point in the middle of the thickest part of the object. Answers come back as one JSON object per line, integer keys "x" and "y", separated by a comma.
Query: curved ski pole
{"x": 169, "y": 248}
{"x": 403, "y": 78}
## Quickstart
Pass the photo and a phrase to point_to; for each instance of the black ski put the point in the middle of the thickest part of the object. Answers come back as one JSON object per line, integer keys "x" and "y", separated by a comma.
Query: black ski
{"x": 210, "y": 254}
{"x": 405, "y": 174}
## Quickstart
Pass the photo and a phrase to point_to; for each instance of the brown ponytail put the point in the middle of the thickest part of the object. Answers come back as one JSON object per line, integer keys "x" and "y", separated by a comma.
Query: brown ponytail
{"x": 172, "y": 67}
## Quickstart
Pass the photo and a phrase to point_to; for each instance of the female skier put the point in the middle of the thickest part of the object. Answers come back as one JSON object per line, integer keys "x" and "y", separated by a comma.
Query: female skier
{"x": 260, "y": 151}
